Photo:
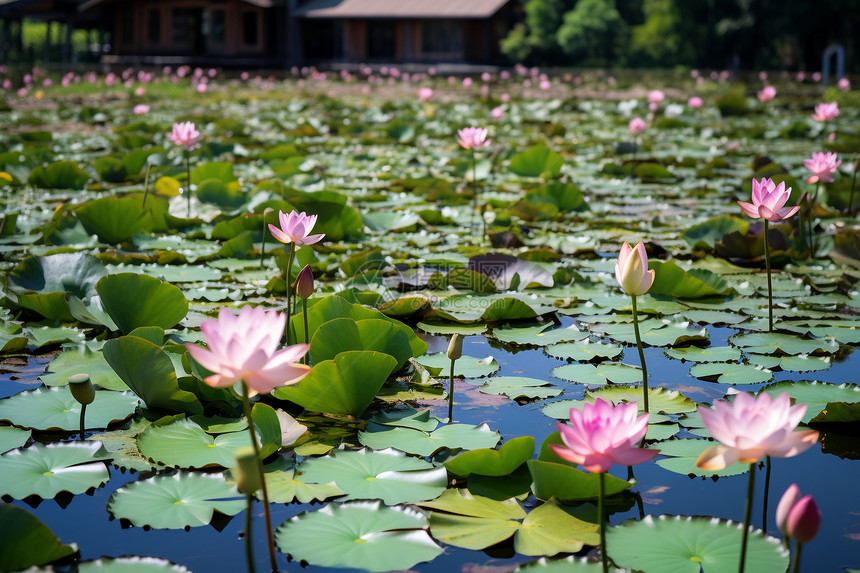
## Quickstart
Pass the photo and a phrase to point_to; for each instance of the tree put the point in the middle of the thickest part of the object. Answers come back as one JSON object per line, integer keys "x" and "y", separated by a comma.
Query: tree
{"x": 593, "y": 32}
{"x": 536, "y": 40}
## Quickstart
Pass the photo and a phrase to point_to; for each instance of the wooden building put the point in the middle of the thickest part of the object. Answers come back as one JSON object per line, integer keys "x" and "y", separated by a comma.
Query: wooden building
{"x": 283, "y": 33}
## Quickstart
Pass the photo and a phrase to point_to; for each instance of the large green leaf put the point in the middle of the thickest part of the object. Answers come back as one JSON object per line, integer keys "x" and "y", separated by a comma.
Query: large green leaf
{"x": 175, "y": 502}
{"x": 816, "y": 395}
{"x": 677, "y": 544}
{"x": 345, "y": 385}
{"x": 388, "y": 475}
{"x": 27, "y": 542}
{"x": 59, "y": 175}
{"x": 465, "y": 366}
{"x": 149, "y": 372}
{"x": 696, "y": 283}
{"x": 41, "y": 283}
{"x": 566, "y": 483}
{"x": 48, "y": 470}
{"x": 56, "y": 409}
{"x": 133, "y": 300}
{"x": 343, "y": 334}
{"x": 538, "y": 161}
{"x": 82, "y": 360}
{"x": 11, "y": 438}
{"x": 117, "y": 219}
{"x": 451, "y": 436}
{"x": 681, "y": 456}
{"x": 538, "y": 335}
{"x": 376, "y": 537}
{"x": 286, "y": 487}
{"x": 488, "y": 462}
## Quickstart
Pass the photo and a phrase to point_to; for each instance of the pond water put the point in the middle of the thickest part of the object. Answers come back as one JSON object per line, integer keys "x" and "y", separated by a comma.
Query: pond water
{"x": 385, "y": 174}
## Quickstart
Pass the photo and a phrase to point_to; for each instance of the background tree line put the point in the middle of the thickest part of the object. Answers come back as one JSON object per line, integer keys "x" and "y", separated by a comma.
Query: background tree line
{"x": 749, "y": 34}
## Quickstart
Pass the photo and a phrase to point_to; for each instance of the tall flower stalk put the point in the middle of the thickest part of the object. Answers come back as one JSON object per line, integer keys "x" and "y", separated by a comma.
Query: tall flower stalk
{"x": 600, "y": 436}
{"x": 243, "y": 354}
{"x": 455, "y": 351}
{"x": 635, "y": 279}
{"x": 748, "y": 430}
{"x": 185, "y": 134}
{"x": 821, "y": 167}
{"x": 768, "y": 200}
{"x": 471, "y": 138}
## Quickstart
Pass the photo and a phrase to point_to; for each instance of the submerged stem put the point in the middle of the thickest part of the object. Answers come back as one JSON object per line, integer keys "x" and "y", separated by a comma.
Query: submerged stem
{"x": 249, "y": 546}
{"x": 601, "y": 517}
{"x": 747, "y": 518}
{"x": 769, "y": 286}
{"x": 766, "y": 492}
{"x": 451, "y": 394}
{"x": 188, "y": 184}
{"x": 641, "y": 356}
{"x": 288, "y": 271}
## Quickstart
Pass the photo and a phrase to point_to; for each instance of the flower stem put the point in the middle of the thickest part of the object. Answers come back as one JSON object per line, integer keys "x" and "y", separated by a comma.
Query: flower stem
{"x": 305, "y": 358}
{"x": 146, "y": 185}
{"x": 474, "y": 188}
{"x": 766, "y": 492}
{"x": 641, "y": 356}
{"x": 747, "y": 518}
{"x": 451, "y": 394}
{"x": 287, "y": 276}
{"x": 249, "y": 546}
{"x": 601, "y": 517}
{"x": 796, "y": 567}
{"x": 853, "y": 182}
{"x": 188, "y": 183}
{"x": 769, "y": 286}
{"x": 83, "y": 416}
{"x": 263, "y": 246}
{"x": 270, "y": 536}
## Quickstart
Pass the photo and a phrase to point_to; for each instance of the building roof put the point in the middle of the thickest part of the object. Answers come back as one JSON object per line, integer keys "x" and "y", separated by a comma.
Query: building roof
{"x": 435, "y": 9}
{"x": 86, "y": 5}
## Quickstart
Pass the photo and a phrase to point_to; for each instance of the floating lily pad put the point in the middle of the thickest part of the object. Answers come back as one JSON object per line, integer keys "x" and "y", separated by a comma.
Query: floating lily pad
{"x": 41, "y": 283}
{"x": 344, "y": 334}
{"x": 133, "y": 300}
{"x": 584, "y": 351}
{"x": 408, "y": 418}
{"x": 539, "y": 335}
{"x": 83, "y": 360}
{"x": 709, "y": 354}
{"x": 732, "y": 373}
{"x": 451, "y": 436}
{"x": 659, "y": 399}
{"x": 387, "y": 475}
{"x": 175, "y": 502}
{"x": 676, "y": 544}
{"x": 776, "y": 342}
{"x": 599, "y": 374}
{"x": 682, "y": 455}
{"x": 130, "y": 565}
{"x": 519, "y": 387}
{"x": 48, "y": 470}
{"x": 798, "y": 363}
{"x": 489, "y": 462}
{"x": 27, "y": 542}
{"x": 816, "y": 395}
{"x": 465, "y": 366}
{"x": 378, "y": 538}
{"x": 567, "y": 565}
{"x": 57, "y": 409}
{"x": 566, "y": 483}
{"x": 11, "y": 438}
{"x": 286, "y": 487}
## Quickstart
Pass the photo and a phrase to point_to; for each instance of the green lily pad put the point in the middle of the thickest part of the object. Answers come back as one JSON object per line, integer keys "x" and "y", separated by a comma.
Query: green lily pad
{"x": 672, "y": 280}
{"x": 184, "y": 444}
{"x": 115, "y": 219}
{"x": 130, "y": 565}
{"x": 447, "y": 328}
{"x": 677, "y": 544}
{"x": 584, "y": 350}
{"x": 567, "y": 565}
{"x": 489, "y": 462}
{"x": 539, "y": 335}
{"x": 659, "y": 399}
{"x": 377, "y": 537}
{"x": 344, "y": 334}
{"x": 41, "y": 283}
{"x": 566, "y": 483}
{"x": 133, "y": 300}
{"x": 683, "y": 453}
{"x": 122, "y": 445}
{"x": 59, "y": 175}
{"x": 345, "y": 385}
{"x": 451, "y": 436}
{"x": 465, "y": 366}
{"x": 775, "y": 342}
{"x": 537, "y": 161}
{"x": 709, "y": 354}
{"x": 57, "y": 409}
{"x": 175, "y": 502}
{"x": 798, "y": 363}
{"x": 11, "y": 438}
{"x": 731, "y": 373}
{"x": 599, "y": 374}
{"x": 408, "y": 418}
{"x": 656, "y": 333}
{"x": 48, "y": 470}
{"x": 519, "y": 387}
{"x": 286, "y": 487}
{"x": 816, "y": 395}
{"x": 82, "y": 360}
{"x": 387, "y": 474}
{"x": 27, "y": 542}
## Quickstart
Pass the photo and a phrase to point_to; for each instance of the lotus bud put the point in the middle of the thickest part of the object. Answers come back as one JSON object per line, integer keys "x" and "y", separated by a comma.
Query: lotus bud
{"x": 455, "y": 347}
{"x": 305, "y": 283}
{"x": 245, "y": 472}
{"x": 82, "y": 389}
{"x": 266, "y": 212}
{"x": 798, "y": 517}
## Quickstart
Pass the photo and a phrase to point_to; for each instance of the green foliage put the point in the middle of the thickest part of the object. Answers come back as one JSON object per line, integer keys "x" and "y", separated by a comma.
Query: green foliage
{"x": 593, "y": 32}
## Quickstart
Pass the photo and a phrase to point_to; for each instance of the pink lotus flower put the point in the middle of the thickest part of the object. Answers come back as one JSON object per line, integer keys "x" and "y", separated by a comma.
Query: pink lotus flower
{"x": 498, "y": 113}
{"x": 467, "y": 82}
{"x": 631, "y": 270}
{"x": 797, "y": 517}
{"x": 826, "y": 112}
{"x": 752, "y": 428}
{"x": 768, "y": 200}
{"x": 844, "y": 84}
{"x": 184, "y": 134}
{"x": 656, "y": 96}
{"x": 244, "y": 348}
{"x": 695, "y": 102}
{"x": 545, "y": 85}
{"x": 472, "y": 137}
{"x": 766, "y": 94}
{"x": 603, "y": 435}
{"x": 425, "y": 93}
{"x": 140, "y": 109}
{"x": 295, "y": 228}
{"x": 637, "y": 125}
{"x": 822, "y": 165}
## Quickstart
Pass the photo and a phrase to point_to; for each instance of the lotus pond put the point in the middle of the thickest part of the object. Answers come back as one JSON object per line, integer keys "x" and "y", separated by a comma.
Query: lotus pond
{"x": 117, "y": 245}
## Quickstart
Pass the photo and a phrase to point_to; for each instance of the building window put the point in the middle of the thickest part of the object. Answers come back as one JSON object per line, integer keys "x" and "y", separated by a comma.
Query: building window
{"x": 250, "y": 35}
{"x": 153, "y": 26}
{"x": 127, "y": 27}
{"x": 217, "y": 34}
{"x": 183, "y": 26}
{"x": 442, "y": 37}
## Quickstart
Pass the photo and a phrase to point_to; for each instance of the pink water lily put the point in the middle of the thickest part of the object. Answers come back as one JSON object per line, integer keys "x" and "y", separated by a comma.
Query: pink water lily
{"x": 766, "y": 94}
{"x": 601, "y": 435}
{"x": 425, "y": 94}
{"x": 796, "y": 516}
{"x": 826, "y": 112}
{"x": 295, "y": 228}
{"x": 631, "y": 269}
{"x": 244, "y": 348}
{"x": 637, "y": 125}
{"x": 184, "y": 134}
{"x": 768, "y": 200}
{"x": 472, "y": 137}
{"x": 752, "y": 428}
{"x": 822, "y": 166}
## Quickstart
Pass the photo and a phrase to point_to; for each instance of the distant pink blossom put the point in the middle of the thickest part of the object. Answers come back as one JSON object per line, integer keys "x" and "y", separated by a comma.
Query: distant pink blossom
{"x": 139, "y": 91}
{"x": 467, "y": 82}
{"x": 202, "y": 88}
{"x": 816, "y": 76}
{"x": 425, "y": 94}
{"x": 766, "y": 94}
{"x": 545, "y": 85}
{"x": 637, "y": 125}
{"x": 768, "y": 200}
{"x": 486, "y": 76}
{"x": 826, "y": 112}
{"x": 844, "y": 84}
{"x": 695, "y": 102}
{"x": 505, "y": 75}
{"x": 800, "y": 77}
{"x": 656, "y": 96}
{"x": 762, "y": 76}
{"x": 295, "y": 228}
{"x": 22, "y": 92}
{"x": 505, "y": 97}
{"x": 822, "y": 166}
{"x": 654, "y": 106}
{"x": 184, "y": 134}
{"x": 141, "y": 109}
{"x": 47, "y": 82}
{"x": 244, "y": 76}
{"x": 472, "y": 137}
{"x": 498, "y": 113}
